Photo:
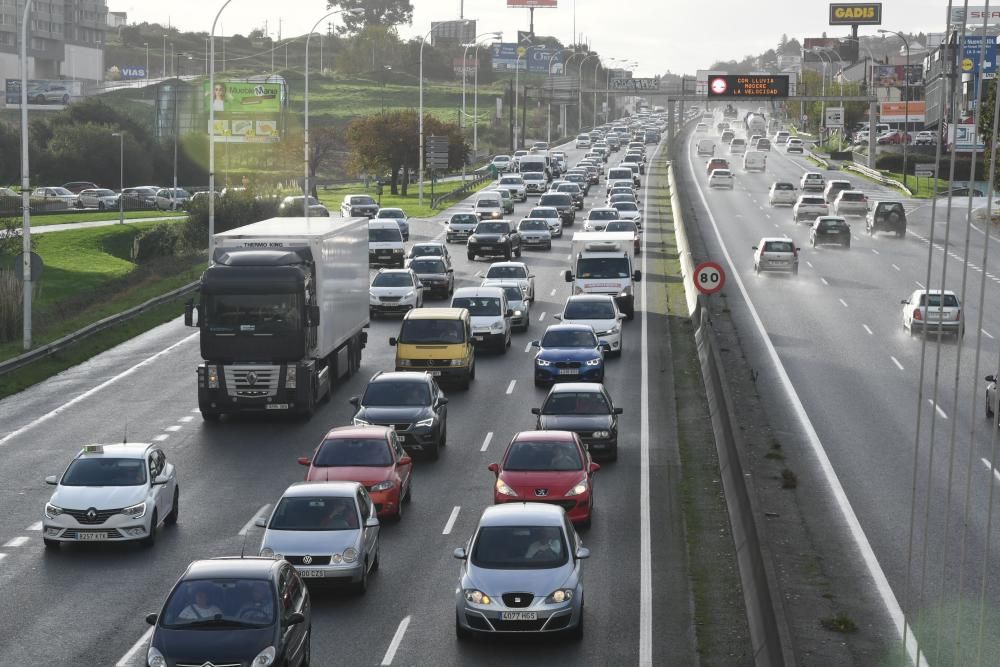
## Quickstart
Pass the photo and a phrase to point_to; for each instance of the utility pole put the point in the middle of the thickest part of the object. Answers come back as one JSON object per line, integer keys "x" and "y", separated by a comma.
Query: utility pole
{"x": 510, "y": 111}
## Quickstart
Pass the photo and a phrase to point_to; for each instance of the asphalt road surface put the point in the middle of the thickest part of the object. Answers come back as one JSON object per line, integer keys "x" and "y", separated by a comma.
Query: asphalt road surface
{"x": 85, "y": 604}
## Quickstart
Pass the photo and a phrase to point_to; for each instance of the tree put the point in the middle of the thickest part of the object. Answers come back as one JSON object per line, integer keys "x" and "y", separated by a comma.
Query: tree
{"x": 986, "y": 126}
{"x": 385, "y": 13}
{"x": 324, "y": 144}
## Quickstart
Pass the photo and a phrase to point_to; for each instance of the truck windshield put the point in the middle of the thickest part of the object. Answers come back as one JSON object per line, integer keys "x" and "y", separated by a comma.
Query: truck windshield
{"x": 252, "y": 313}
{"x": 432, "y": 332}
{"x": 602, "y": 267}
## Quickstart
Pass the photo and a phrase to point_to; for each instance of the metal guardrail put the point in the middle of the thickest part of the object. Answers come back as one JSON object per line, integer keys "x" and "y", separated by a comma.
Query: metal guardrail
{"x": 877, "y": 176}
{"x": 462, "y": 191}
{"x": 822, "y": 160}
{"x": 58, "y": 345}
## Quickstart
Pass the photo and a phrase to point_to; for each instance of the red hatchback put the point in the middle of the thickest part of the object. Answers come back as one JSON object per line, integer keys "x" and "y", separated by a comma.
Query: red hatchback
{"x": 371, "y": 455}
{"x": 547, "y": 467}
{"x": 716, "y": 163}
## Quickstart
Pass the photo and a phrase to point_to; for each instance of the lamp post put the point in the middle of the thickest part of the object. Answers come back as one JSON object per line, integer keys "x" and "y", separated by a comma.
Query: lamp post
{"x": 211, "y": 137}
{"x": 548, "y": 116}
{"x": 822, "y": 113}
{"x": 420, "y": 120}
{"x": 465, "y": 59}
{"x": 121, "y": 176}
{"x": 26, "y": 282}
{"x": 906, "y": 96}
{"x": 146, "y": 44}
{"x": 173, "y": 191}
{"x": 306, "y": 191}
{"x": 163, "y": 72}
{"x": 579, "y": 110}
{"x": 566, "y": 71}
{"x": 385, "y": 69}
{"x": 517, "y": 114}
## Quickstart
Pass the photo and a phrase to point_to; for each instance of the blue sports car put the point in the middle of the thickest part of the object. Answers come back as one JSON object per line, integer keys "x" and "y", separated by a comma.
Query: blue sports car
{"x": 569, "y": 352}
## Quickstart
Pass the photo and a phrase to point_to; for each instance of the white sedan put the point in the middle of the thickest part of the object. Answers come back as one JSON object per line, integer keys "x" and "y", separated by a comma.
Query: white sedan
{"x": 600, "y": 312}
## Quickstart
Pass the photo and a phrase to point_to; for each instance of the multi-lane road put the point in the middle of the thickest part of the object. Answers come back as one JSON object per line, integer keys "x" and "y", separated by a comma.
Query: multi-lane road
{"x": 86, "y": 604}
{"x": 841, "y": 376}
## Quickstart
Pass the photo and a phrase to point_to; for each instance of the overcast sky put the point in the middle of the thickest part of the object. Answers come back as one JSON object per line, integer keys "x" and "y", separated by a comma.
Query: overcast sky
{"x": 677, "y": 35}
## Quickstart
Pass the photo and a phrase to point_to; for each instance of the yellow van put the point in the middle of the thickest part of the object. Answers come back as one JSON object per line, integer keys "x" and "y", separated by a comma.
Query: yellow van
{"x": 439, "y": 341}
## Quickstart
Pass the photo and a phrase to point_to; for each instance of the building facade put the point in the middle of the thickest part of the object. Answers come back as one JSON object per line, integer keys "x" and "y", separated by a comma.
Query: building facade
{"x": 65, "y": 39}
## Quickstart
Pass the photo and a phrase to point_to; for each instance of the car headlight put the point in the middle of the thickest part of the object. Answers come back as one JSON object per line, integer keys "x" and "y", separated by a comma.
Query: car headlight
{"x": 51, "y": 511}
{"x": 559, "y": 596}
{"x": 476, "y": 596}
{"x": 383, "y": 486}
{"x": 578, "y": 489}
{"x": 517, "y": 313}
{"x": 594, "y": 362}
{"x": 267, "y": 552}
{"x": 497, "y": 326}
{"x": 425, "y": 423}
{"x": 373, "y": 298}
{"x": 360, "y": 422}
{"x": 502, "y": 487}
{"x": 291, "y": 377}
{"x": 350, "y": 555}
{"x": 212, "y": 376}
{"x": 154, "y": 658}
{"x": 264, "y": 658}
{"x": 601, "y": 435}
{"x": 542, "y": 362}
{"x": 136, "y": 511}
{"x": 409, "y": 295}
{"x": 456, "y": 362}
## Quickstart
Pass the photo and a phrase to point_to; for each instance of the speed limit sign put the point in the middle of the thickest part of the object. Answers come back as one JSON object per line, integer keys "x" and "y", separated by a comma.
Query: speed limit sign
{"x": 709, "y": 277}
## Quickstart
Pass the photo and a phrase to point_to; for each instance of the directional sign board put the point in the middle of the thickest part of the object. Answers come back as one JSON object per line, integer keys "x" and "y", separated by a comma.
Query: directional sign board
{"x": 635, "y": 84}
{"x": 925, "y": 170}
{"x": 835, "y": 116}
{"x": 437, "y": 152}
{"x": 709, "y": 277}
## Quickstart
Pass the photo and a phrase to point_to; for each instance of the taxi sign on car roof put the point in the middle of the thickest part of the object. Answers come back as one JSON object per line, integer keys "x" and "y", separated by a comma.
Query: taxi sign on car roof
{"x": 93, "y": 449}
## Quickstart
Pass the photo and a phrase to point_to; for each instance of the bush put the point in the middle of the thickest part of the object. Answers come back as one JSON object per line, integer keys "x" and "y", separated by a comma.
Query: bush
{"x": 232, "y": 211}
{"x": 10, "y": 306}
{"x": 160, "y": 241}
{"x": 963, "y": 166}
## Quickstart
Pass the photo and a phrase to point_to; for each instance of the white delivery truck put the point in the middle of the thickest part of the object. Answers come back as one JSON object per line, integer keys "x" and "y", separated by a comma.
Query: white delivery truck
{"x": 603, "y": 263}
{"x": 282, "y": 313}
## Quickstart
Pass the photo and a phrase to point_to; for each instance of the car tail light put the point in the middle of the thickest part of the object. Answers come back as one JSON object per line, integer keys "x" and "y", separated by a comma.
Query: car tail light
{"x": 916, "y": 314}
{"x": 795, "y": 251}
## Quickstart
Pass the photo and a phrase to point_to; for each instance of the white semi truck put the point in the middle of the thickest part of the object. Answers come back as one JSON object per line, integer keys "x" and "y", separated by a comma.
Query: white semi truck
{"x": 282, "y": 313}
{"x": 604, "y": 263}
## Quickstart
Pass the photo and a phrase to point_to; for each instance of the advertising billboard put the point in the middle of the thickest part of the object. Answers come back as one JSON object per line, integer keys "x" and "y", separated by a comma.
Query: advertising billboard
{"x": 245, "y": 111}
{"x": 856, "y": 13}
{"x": 896, "y": 112}
{"x": 972, "y": 52}
{"x": 43, "y": 92}
{"x": 975, "y": 16}
{"x": 522, "y": 4}
{"x": 965, "y": 138}
{"x": 535, "y": 58}
{"x": 888, "y": 76}
{"x": 453, "y": 32}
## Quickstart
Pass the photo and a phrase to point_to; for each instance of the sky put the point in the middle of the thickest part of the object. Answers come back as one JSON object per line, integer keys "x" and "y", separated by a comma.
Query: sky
{"x": 659, "y": 35}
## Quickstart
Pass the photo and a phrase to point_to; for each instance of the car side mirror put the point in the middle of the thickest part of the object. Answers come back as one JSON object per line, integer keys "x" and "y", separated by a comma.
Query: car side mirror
{"x": 161, "y": 480}
{"x": 53, "y": 479}
{"x": 304, "y": 461}
{"x": 295, "y": 618}
{"x": 371, "y": 522}
{"x": 355, "y": 401}
{"x": 151, "y": 618}
{"x": 637, "y": 276}
{"x": 494, "y": 468}
{"x": 536, "y": 343}
{"x": 568, "y": 276}
{"x": 582, "y": 553}
{"x": 443, "y": 400}
{"x": 754, "y": 248}
{"x": 536, "y": 411}
{"x": 606, "y": 348}
{"x": 618, "y": 411}
{"x": 419, "y": 285}
{"x": 405, "y": 460}
{"x": 509, "y": 312}
{"x": 260, "y": 522}
{"x": 392, "y": 342}
{"x": 557, "y": 316}
{"x": 531, "y": 275}
{"x": 904, "y": 301}
{"x": 991, "y": 378}
{"x": 459, "y": 553}
{"x": 594, "y": 467}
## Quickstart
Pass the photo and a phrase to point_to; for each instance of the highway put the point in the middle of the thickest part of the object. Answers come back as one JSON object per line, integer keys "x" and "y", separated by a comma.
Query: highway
{"x": 96, "y": 596}
{"x": 847, "y": 378}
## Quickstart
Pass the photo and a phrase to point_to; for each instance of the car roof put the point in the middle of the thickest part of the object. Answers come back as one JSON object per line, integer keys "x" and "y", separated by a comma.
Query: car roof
{"x": 544, "y": 436}
{"x": 765, "y": 239}
{"x": 520, "y": 514}
{"x": 544, "y": 208}
{"x": 246, "y": 568}
{"x": 436, "y": 313}
{"x": 425, "y": 244}
{"x": 477, "y": 291}
{"x": 501, "y": 282}
{"x": 337, "y": 489}
{"x": 590, "y": 297}
{"x": 568, "y": 327}
{"x": 577, "y": 387}
{"x": 131, "y": 450}
{"x": 831, "y": 218}
{"x": 359, "y": 432}
{"x": 399, "y": 376}
{"x": 518, "y": 264}
{"x": 394, "y": 271}
{"x": 391, "y": 209}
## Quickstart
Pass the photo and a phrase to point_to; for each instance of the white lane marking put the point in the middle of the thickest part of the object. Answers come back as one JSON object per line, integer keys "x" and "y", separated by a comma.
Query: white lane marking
{"x": 776, "y": 226}
{"x": 767, "y": 215}
{"x": 542, "y": 316}
{"x": 172, "y": 429}
{"x": 35, "y": 526}
{"x": 527, "y": 348}
{"x": 451, "y": 520}
{"x": 896, "y": 361}
{"x": 136, "y": 647}
{"x": 937, "y": 408}
{"x": 186, "y": 419}
{"x": 2, "y": 556}
{"x": 397, "y": 639}
{"x": 833, "y": 482}
{"x": 249, "y": 524}
{"x": 868, "y": 329}
{"x": 996, "y": 473}
{"x": 486, "y": 442}
{"x": 987, "y": 334}
{"x": 510, "y": 387}
{"x": 823, "y": 280}
{"x": 842, "y": 303}
{"x": 161, "y": 437}
{"x": 17, "y": 541}
{"x": 895, "y": 267}
{"x": 552, "y": 293}
{"x": 809, "y": 264}
{"x": 196, "y": 410}
{"x": 919, "y": 284}
{"x": 90, "y": 392}
{"x": 876, "y": 251}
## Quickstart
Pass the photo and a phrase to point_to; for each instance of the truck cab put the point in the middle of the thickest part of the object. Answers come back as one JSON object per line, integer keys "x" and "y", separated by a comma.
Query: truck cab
{"x": 604, "y": 263}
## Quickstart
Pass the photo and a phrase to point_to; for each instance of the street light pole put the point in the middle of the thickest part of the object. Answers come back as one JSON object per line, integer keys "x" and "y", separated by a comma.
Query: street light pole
{"x": 596, "y": 71}
{"x": 26, "y": 282}
{"x": 906, "y": 96}
{"x": 579, "y": 110}
{"x": 517, "y": 115}
{"x": 211, "y": 136}
{"x": 420, "y": 176}
{"x": 465, "y": 59}
{"x": 548, "y": 117}
{"x": 121, "y": 176}
{"x": 566, "y": 73}
{"x": 146, "y": 44}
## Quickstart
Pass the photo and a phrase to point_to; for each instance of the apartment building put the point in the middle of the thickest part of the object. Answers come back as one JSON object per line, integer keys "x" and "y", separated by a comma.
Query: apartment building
{"x": 65, "y": 39}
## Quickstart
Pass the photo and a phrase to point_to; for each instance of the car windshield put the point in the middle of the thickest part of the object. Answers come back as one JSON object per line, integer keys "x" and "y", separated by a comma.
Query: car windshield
{"x": 533, "y": 175}
{"x": 220, "y": 604}
{"x": 558, "y": 456}
{"x": 488, "y": 202}
{"x": 778, "y": 246}
{"x": 937, "y": 301}
{"x": 511, "y": 180}
{"x": 519, "y": 547}
{"x": 544, "y": 213}
{"x": 555, "y": 200}
{"x": 61, "y": 192}
{"x": 569, "y": 188}
{"x": 393, "y": 393}
{"x": 361, "y": 201}
{"x": 105, "y": 472}
{"x": 602, "y": 267}
{"x": 251, "y": 314}
{"x": 491, "y": 228}
{"x": 533, "y": 225}
{"x": 513, "y": 293}
{"x": 587, "y": 309}
{"x": 464, "y": 219}
{"x": 312, "y": 513}
{"x": 852, "y": 196}
{"x": 432, "y": 332}
{"x": 103, "y": 193}
{"x": 389, "y": 213}
{"x": 478, "y": 305}
{"x": 576, "y": 403}
{"x": 403, "y": 279}
{"x": 784, "y": 186}
{"x": 427, "y": 251}
{"x": 507, "y": 272}
{"x": 621, "y": 226}
{"x": 625, "y": 206}
{"x": 885, "y": 209}
{"x": 384, "y": 235}
{"x": 425, "y": 265}
{"x": 353, "y": 452}
{"x": 831, "y": 224}
{"x": 603, "y": 214}
{"x": 569, "y": 338}
{"x": 814, "y": 201}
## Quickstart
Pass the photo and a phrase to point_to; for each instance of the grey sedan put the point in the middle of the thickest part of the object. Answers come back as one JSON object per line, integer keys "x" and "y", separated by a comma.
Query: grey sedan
{"x": 521, "y": 319}
{"x": 535, "y": 233}
{"x": 521, "y": 572}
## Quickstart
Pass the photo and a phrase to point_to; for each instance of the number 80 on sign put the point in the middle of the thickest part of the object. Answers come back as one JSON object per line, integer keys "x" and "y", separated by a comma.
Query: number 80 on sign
{"x": 709, "y": 277}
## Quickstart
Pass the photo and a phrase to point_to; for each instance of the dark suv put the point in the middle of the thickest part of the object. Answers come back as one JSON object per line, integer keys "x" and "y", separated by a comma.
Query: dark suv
{"x": 411, "y": 403}
{"x": 492, "y": 238}
{"x": 563, "y": 203}
{"x": 886, "y": 216}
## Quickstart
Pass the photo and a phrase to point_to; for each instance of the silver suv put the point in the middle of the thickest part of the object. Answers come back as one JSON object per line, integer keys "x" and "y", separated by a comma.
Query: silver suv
{"x": 776, "y": 253}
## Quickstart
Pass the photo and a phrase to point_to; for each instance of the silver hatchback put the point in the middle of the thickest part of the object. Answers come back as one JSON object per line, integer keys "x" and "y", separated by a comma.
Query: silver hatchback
{"x": 521, "y": 573}
{"x": 777, "y": 253}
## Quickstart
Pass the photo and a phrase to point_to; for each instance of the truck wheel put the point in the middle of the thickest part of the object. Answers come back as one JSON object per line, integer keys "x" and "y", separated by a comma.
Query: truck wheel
{"x": 630, "y": 313}
{"x": 471, "y": 256}
{"x": 507, "y": 254}
{"x": 517, "y": 253}
{"x": 210, "y": 415}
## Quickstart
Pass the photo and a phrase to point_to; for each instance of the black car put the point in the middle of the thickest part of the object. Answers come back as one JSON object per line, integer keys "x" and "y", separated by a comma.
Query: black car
{"x": 581, "y": 180}
{"x": 586, "y": 409}
{"x": 563, "y": 203}
{"x": 412, "y": 403}
{"x": 358, "y": 206}
{"x": 437, "y": 277}
{"x": 828, "y": 230}
{"x": 575, "y": 191}
{"x": 886, "y": 216}
{"x": 234, "y": 611}
{"x": 494, "y": 238}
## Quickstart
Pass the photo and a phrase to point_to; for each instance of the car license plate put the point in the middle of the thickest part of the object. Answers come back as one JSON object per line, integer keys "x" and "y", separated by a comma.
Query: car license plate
{"x": 486, "y": 248}
{"x": 91, "y": 536}
{"x": 532, "y": 240}
{"x": 519, "y": 616}
{"x": 569, "y": 371}
{"x": 311, "y": 574}
{"x": 277, "y": 406}
{"x": 435, "y": 373}
{"x": 832, "y": 231}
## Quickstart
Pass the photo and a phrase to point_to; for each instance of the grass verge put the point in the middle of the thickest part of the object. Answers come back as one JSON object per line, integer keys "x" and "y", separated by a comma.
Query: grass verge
{"x": 97, "y": 216}
{"x": 331, "y": 198}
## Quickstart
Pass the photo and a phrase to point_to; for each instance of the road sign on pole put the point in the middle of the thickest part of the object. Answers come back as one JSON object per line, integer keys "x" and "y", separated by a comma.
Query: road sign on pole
{"x": 925, "y": 170}
{"x": 437, "y": 153}
{"x": 709, "y": 277}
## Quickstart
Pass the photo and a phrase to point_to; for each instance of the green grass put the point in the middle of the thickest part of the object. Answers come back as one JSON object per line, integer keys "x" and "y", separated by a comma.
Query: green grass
{"x": 332, "y": 197}
{"x": 922, "y": 188}
{"x": 92, "y": 216}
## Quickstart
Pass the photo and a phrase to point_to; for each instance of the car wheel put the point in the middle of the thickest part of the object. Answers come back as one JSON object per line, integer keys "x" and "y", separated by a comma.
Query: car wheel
{"x": 466, "y": 380}
{"x": 378, "y": 558}
{"x": 171, "y": 519}
{"x": 461, "y": 633}
{"x": 396, "y": 518}
{"x": 307, "y": 651}
{"x": 989, "y": 413}
{"x": 812, "y": 242}
{"x": 435, "y": 451}
{"x": 51, "y": 544}
{"x": 576, "y": 633}
{"x": 210, "y": 415}
{"x": 150, "y": 539}
{"x": 444, "y": 436}
{"x": 100, "y": 206}
{"x": 507, "y": 254}
{"x": 901, "y": 233}
{"x": 471, "y": 256}
{"x": 756, "y": 269}
{"x": 361, "y": 587}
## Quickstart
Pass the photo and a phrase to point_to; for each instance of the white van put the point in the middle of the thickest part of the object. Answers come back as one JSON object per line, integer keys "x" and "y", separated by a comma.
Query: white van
{"x": 385, "y": 243}
{"x": 755, "y": 161}
{"x": 706, "y": 147}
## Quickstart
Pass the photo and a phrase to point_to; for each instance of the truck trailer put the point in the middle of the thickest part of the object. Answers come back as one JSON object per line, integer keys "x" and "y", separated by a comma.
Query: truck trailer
{"x": 282, "y": 313}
